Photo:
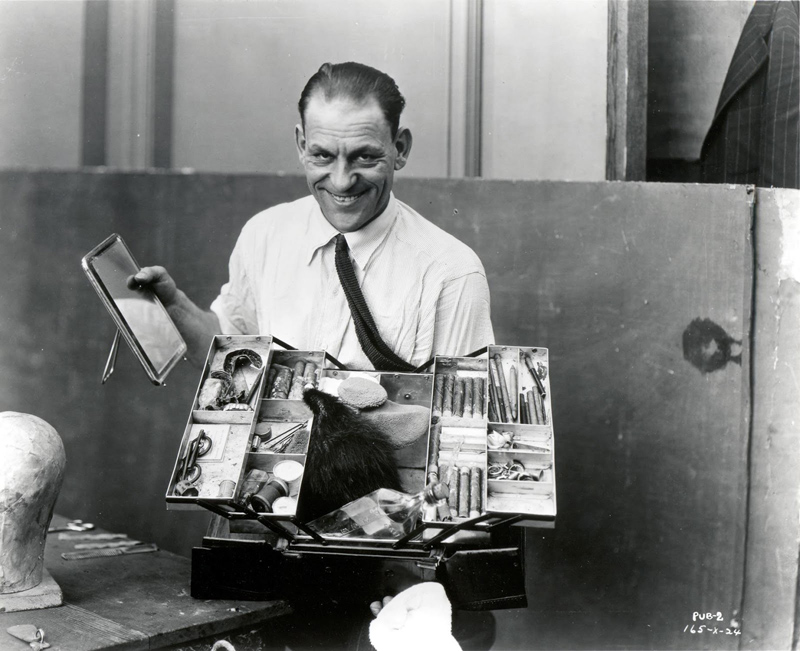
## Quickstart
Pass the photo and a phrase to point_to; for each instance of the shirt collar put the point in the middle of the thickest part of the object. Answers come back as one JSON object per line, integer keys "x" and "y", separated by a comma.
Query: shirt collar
{"x": 362, "y": 243}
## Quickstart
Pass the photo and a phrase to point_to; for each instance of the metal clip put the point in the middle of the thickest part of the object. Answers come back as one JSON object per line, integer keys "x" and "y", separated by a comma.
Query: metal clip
{"x": 31, "y": 634}
{"x": 432, "y": 562}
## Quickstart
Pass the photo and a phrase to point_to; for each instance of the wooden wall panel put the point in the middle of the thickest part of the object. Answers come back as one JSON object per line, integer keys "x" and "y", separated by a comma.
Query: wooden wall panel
{"x": 41, "y": 47}
{"x": 773, "y": 535}
{"x": 690, "y": 46}
{"x": 240, "y": 67}
{"x": 651, "y": 451}
{"x": 544, "y": 90}
{"x": 609, "y": 276}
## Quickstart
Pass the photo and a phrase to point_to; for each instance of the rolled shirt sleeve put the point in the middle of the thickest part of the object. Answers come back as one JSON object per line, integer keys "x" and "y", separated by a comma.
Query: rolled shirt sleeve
{"x": 463, "y": 316}
{"x": 235, "y": 306}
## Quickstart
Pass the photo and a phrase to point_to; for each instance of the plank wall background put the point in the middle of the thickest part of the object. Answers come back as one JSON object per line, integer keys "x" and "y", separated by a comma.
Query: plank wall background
{"x": 652, "y": 449}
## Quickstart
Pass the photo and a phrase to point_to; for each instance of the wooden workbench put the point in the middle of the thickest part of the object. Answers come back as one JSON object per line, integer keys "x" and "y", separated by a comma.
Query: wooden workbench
{"x": 138, "y": 601}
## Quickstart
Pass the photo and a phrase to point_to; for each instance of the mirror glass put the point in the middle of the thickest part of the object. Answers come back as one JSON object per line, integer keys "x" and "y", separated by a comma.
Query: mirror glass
{"x": 151, "y": 332}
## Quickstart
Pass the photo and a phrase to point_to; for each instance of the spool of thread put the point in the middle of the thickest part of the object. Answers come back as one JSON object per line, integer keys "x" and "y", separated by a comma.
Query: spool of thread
{"x": 463, "y": 492}
{"x": 263, "y": 500}
{"x": 227, "y": 487}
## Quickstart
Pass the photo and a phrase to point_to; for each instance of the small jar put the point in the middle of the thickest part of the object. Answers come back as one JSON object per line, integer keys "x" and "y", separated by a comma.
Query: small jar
{"x": 263, "y": 500}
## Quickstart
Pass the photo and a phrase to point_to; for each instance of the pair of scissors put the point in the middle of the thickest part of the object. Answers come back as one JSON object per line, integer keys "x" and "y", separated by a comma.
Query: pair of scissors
{"x": 72, "y": 525}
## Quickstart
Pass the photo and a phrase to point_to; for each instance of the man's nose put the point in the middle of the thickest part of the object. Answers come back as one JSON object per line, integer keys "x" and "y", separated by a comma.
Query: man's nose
{"x": 342, "y": 177}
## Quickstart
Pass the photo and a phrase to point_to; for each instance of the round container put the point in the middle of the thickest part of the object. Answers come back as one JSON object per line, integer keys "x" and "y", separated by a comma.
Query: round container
{"x": 291, "y": 472}
{"x": 227, "y": 488}
{"x": 263, "y": 500}
{"x": 285, "y": 506}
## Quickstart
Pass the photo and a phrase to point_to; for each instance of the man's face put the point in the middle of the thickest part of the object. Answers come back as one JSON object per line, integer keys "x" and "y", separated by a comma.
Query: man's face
{"x": 349, "y": 157}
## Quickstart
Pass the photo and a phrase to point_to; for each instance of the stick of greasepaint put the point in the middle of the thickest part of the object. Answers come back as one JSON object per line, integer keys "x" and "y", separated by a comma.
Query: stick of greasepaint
{"x": 478, "y": 410}
{"x": 475, "y": 496}
{"x": 453, "y": 498}
{"x": 458, "y": 397}
{"x": 532, "y": 407}
{"x": 468, "y": 398}
{"x": 438, "y": 395}
{"x": 447, "y": 400}
{"x": 505, "y": 401}
{"x": 512, "y": 391}
{"x": 495, "y": 393}
{"x": 524, "y": 415}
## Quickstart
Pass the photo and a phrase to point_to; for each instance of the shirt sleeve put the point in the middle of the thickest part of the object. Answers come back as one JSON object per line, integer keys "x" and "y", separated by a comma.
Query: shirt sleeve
{"x": 235, "y": 306}
{"x": 463, "y": 317}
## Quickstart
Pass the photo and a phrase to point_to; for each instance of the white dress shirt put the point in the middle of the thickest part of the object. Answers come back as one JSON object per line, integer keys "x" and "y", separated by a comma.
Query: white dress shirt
{"x": 427, "y": 291}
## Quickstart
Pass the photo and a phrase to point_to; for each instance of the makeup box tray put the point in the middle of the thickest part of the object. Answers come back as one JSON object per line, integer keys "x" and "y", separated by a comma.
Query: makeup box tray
{"x": 489, "y": 442}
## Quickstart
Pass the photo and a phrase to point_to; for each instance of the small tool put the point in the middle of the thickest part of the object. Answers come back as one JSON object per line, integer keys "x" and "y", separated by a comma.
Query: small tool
{"x": 108, "y": 544}
{"x": 535, "y": 375}
{"x": 102, "y": 553}
{"x": 31, "y": 634}
{"x": 248, "y": 398}
{"x": 185, "y": 488}
{"x": 72, "y": 525}
{"x": 81, "y": 537}
{"x": 204, "y": 444}
{"x": 282, "y": 441}
{"x": 111, "y": 362}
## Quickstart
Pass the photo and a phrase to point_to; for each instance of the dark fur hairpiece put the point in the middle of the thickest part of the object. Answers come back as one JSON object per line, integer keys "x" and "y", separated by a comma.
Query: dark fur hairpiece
{"x": 347, "y": 458}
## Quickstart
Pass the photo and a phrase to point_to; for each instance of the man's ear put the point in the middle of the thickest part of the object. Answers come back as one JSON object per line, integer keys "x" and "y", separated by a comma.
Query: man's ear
{"x": 300, "y": 142}
{"x": 402, "y": 142}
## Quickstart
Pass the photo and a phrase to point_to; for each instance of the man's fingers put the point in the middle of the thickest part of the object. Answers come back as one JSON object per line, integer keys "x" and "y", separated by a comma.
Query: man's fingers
{"x": 376, "y": 606}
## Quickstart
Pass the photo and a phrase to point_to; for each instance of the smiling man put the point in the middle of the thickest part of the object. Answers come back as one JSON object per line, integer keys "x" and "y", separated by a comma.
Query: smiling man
{"x": 350, "y": 269}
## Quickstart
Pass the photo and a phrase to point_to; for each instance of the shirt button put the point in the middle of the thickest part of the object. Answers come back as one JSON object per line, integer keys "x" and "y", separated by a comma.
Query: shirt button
{"x": 335, "y": 291}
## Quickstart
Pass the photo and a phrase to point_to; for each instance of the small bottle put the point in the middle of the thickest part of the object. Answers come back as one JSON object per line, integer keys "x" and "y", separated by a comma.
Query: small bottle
{"x": 384, "y": 513}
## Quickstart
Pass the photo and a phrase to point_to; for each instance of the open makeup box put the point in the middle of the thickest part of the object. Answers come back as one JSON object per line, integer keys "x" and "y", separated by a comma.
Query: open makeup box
{"x": 487, "y": 436}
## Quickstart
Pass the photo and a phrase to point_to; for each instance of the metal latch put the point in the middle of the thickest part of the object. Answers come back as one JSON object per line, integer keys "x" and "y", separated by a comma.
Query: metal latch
{"x": 432, "y": 562}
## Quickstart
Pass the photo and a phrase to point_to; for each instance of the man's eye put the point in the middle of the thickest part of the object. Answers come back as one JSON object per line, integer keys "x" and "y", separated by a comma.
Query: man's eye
{"x": 321, "y": 158}
{"x": 366, "y": 159}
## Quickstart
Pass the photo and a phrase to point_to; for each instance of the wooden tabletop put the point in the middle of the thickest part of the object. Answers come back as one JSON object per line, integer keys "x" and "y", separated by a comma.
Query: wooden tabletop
{"x": 138, "y": 601}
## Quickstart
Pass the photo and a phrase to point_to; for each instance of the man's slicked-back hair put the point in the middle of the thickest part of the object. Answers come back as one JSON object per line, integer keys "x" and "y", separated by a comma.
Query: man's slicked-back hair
{"x": 356, "y": 82}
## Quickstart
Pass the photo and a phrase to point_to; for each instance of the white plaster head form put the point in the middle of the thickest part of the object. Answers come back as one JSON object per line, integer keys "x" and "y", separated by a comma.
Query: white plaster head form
{"x": 31, "y": 470}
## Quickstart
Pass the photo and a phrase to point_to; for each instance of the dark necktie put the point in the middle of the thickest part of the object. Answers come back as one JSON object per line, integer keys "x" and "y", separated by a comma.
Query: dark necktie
{"x": 374, "y": 347}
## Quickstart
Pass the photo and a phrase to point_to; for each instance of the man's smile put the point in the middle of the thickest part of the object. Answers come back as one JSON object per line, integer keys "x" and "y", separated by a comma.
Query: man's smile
{"x": 344, "y": 199}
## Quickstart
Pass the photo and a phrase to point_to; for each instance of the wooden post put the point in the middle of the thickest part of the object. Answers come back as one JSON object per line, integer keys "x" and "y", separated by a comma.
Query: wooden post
{"x": 769, "y": 612}
{"x": 626, "y": 144}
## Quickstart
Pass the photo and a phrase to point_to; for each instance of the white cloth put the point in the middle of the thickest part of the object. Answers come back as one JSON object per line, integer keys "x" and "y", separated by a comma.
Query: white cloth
{"x": 417, "y": 619}
{"x": 427, "y": 291}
